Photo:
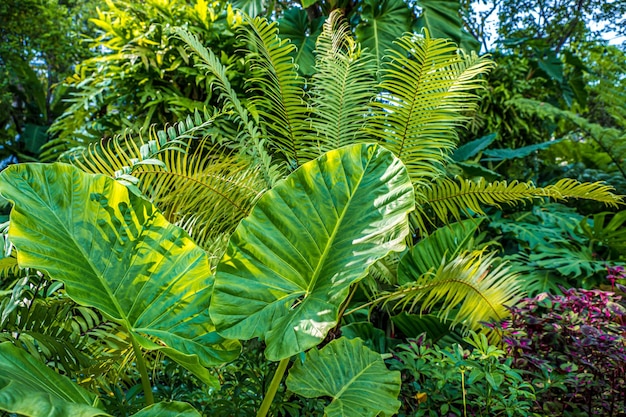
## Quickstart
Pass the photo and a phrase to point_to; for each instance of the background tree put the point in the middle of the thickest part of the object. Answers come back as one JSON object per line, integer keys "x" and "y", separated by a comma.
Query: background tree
{"x": 40, "y": 43}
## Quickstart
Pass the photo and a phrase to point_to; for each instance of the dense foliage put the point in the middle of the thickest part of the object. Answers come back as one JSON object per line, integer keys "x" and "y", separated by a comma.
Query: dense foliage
{"x": 316, "y": 208}
{"x": 572, "y": 349}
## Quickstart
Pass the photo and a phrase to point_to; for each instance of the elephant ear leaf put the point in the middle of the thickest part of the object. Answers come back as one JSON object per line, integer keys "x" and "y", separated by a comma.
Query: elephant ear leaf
{"x": 354, "y": 376}
{"x": 115, "y": 252}
{"x": 30, "y": 388}
{"x": 290, "y": 264}
{"x": 169, "y": 409}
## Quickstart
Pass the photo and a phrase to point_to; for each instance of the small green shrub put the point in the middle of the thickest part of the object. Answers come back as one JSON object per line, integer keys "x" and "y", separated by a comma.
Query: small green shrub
{"x": 453, "y": 381}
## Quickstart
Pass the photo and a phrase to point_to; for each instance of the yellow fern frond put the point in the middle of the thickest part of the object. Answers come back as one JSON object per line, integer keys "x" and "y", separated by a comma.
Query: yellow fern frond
{"x": 447, "y": 198}
{"x": 469, "y": 290}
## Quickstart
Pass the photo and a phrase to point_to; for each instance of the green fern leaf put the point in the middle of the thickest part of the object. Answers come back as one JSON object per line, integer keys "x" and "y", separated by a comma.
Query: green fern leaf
{"x": 453, "y": 198}
{"x": 342, "y": 89}
{"x": 206, "y": 192}
{"x": 280, "y": 99}
{"x": 468, "y": 290}
{"x": 427, "y": 87}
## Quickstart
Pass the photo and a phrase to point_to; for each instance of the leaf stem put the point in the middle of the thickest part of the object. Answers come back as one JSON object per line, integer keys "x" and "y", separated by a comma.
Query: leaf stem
{"x": 141, "y": 365}
{"x": 271, "y": 391}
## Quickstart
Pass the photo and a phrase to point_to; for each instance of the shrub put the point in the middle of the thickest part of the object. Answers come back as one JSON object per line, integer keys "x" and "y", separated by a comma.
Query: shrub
{"x": 454, "y": 381}
{"x": 572, "y": 348}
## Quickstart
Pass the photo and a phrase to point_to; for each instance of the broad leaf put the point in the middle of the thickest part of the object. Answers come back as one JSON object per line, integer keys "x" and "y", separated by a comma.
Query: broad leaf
{"x": 382, "y": 22}
{"x": 115, "y": 252}
{"x": 441, "y": 246}
{"x": 471, "y": 149}
{"x": 372, "y": 337}
{"x": 508, "y": 153}
{"x": 294, "y": 25}
{"x": 290, "y": 264}
{"x": 172, "y": 409}
{"x": 355, "y": 377}
{"x": 441, "y": 18}
{"x": 550, "y": 63}
{"x": 252, "y": 8}
{"x": 438, "y": 331}
{"x": 30, "y": 388}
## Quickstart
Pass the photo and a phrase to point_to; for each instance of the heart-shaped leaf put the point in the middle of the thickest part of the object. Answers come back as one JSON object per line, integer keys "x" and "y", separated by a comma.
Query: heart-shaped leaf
{"x": 381, "y": 23}
{"x": 295, "y": 26}
{"x": 354, "y": 376}
{"x": 290, "y": 264}
{"x": 115, "y": 252}
{"x": 172, "y": 409}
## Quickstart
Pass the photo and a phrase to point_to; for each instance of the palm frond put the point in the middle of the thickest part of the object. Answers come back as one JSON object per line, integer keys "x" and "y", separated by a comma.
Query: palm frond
{"x": 280, "y": 99}
{"x": 470, "y": 289}
{"x": 39, "y": 318}
{"x": 342, "y": 88}
{"x": 427, "y": 87}
{"x": 453, "y": 198}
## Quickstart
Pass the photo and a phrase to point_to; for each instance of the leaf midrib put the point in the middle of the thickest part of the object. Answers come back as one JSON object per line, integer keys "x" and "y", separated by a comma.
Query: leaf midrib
{"x": 322, "y": 260}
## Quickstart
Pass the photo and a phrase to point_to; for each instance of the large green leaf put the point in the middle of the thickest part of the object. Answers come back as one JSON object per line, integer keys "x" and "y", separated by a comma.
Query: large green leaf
{"x": 355, "y": 377}
{"x": 381, "y": 23}
{"x": 441, "y": 18}
{"x": 290, "y": 264}
{"x": 509, "y": 153}
{"x": 471, "y": 149}
{"x": 173, "y": 409}
{"x": 437, "y": 330}
{"x": 443, "y": 245}
{"x": 295, "y": 26}
{"x": 115, "y": 252}
{"x": 30, "y": 388}
{"x": 252, "y": 8}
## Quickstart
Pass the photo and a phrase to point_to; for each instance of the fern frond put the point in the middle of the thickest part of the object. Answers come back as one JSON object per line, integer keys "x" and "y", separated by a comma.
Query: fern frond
{"x": 569, "y": 188}
{"x": 469, "y": 290}
{"x": 122, "y": 155}
{"x": 445, "y": 243}
{"x": 249, "y": 135}
{"x": 206, "y": 192}
{"x": 342, "y": 88}
{"x": 41, "y": 319}
{"x": 426, "y": 89}
{"x": 280, "y": 99}
{"x": 453, "y": 198}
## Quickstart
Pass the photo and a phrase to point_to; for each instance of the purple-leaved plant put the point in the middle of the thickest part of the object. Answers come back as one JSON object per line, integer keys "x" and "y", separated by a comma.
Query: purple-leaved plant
{"x": 572, "y": 347}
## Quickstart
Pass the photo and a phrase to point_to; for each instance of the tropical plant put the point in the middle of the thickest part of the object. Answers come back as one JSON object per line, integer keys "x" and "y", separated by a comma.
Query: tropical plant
{"x": 420, "y": 100}
{"x": 293, "y": 264}
{"x": 142, "y": 76}
{"x": 553, "y": 246}
{"x": 183, "y": 332}
{"x": 39, "y": 44}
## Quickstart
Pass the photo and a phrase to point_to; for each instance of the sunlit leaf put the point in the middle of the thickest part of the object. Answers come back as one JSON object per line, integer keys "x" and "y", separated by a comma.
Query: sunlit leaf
{"x": 290, "y": 264}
